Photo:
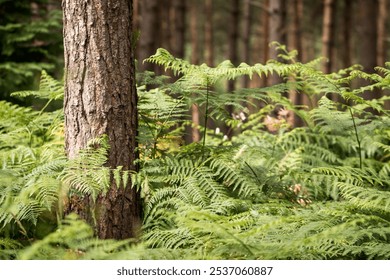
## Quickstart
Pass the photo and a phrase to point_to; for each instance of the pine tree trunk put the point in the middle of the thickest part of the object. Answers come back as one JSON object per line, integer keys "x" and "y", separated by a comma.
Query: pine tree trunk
{"x": 266, "y": 30}
{"x": 233, "y": 34}
{"x": 147, "y": 44}
{"x": 346, "y": 34}
{"x": 277, "y": 30}
{"x": 328, "y": 34}
{"x": 178, "y": 20}
{"x": 100, "y": 98}
{"x": 246, "y": 37}
{"x": 382, "y": 16}
{"x": 368, "y": 40}
{"x": 295, "y": 43}
{"x": 208, "y": 33}
{"x": 195, "y": 134}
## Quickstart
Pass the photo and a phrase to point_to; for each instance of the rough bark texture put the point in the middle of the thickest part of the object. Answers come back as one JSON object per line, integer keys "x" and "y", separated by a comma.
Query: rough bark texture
{"x": 100, "y": 98}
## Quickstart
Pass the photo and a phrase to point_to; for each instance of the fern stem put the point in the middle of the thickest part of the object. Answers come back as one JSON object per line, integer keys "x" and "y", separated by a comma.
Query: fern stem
{"x": 357, "y": 138}
{"x": 206, "y": 114}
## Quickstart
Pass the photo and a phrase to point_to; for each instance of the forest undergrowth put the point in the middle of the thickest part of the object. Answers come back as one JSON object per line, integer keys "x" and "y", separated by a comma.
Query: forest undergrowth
{"x": 254, "y": 187}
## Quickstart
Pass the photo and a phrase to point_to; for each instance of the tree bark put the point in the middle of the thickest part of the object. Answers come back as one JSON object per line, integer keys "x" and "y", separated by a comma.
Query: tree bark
{"x": 368, "y": 40}
{"x": 277, "y": 30}
{"x": 100, "y": 98}
{"x": 178, "y": 20}
{"x": 246, "y": 38}
{"x": 233, "y": 35}
{"x": 209, "y": 33}
{"x": 149, "y": 21}
{"x": 346, "y": 37}
{"x": 195, "y": 134}
{"x": 382, "y": 16}
{"x": 328, "y": 34}
{"x": 295, "y": 43}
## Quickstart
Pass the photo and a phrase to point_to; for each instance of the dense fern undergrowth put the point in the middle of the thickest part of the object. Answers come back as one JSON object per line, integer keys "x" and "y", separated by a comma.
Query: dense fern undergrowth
{"x": 263, "y": 191}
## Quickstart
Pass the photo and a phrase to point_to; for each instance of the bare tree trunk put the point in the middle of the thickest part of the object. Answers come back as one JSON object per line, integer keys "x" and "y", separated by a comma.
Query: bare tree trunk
{"x": 234, "y": 23}
{"x": 266, "y": 31}
{"x": 209, "y": 33}
{"x": 195, "y": 135}
{"x": 259, "y": 48}
{"x": 346, "y": 37}
{"x": 277, "y": 30}
{"x": 295, "y": 43}
{"x": 178, "y": 20}
{"x": 100, "y": 98}
{"x": 149, "y": 21}
{"x": 368, "y": 39}
{"x": 246, "y": 38}
{"x": 328, "y": 34}
{"x": 233, "y": 35}
{"x": 382, "y": 16}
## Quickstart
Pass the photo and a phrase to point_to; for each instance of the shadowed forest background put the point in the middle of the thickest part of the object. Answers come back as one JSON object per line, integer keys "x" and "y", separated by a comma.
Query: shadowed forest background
{"x": 262, "y": 130}
{"x": 346, "y": 32}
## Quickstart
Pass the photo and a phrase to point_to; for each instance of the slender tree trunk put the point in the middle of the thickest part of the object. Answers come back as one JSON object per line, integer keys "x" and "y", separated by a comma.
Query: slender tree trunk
{"x": 277, "y": 30}
{"x": 382, "y": 16}
{"x": 233, "y": 35}
{"x": 195, "y": 134}
{"x": 246, "y": 38}
{"x": 100, "y": 98}
{"x": 346, "y": 37}
{"x": 328, "y": 34}
{"x": 368, "y": 39}
{"x": 209, "y": 33}
{"x": 178, "y": 19}
{"x": 149, "y": 21}
{"x": 266, "y": 41}
{"x": 261, "y": 48}
{"x": 295, "y": 43}
{"x": 234, "y": 23}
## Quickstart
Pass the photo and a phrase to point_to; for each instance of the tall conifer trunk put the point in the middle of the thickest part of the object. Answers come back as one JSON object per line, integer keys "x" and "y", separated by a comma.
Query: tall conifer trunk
{"x": 100, "y": 98}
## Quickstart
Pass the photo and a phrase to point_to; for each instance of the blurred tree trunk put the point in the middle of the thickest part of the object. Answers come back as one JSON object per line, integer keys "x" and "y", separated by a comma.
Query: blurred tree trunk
{"x": 246, "y": 38}
{"x": 368, "y": 39}
{"x": 149, "y": 21}
{"x": 382, "y": 16}
{"x": 295, "y": 43}
{"x": 382, "y": 38}
{"x": 100, "y": 98}
{"x": 277, "y": 30}
{"x": 195, "y": 135}
{"x": 209, "y": 33}
{"x": 346, "y": 34}
{"x": 260, "y": 52}
{"x": 177, "y": 25}
{"x": 328, "y": 34}
{"x": 266, "y": 29}
{"x": 233, "y": 35}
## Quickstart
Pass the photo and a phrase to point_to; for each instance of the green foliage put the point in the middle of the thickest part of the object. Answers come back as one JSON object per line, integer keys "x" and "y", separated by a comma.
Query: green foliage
{"x": 318, "y": 192}
{"x": 315, "y": 192}
{"x": 30, "y": 40}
